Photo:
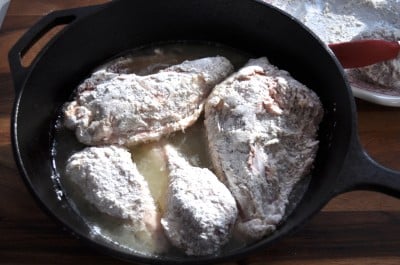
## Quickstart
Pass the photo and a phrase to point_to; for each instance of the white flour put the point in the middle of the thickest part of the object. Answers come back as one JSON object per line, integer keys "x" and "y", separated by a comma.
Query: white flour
{"x": 341, "y": 20}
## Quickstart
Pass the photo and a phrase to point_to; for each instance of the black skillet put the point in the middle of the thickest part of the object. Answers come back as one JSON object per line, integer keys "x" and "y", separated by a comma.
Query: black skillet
{"x": 94, "y": 34}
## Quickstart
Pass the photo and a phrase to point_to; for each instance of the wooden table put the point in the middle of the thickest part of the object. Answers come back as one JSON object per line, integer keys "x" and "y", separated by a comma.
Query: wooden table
{"x": 354, "y": 228}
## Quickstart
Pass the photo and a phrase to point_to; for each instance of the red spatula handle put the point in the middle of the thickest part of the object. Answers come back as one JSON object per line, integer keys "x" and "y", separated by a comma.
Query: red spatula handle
{"x": 361, "y": 53}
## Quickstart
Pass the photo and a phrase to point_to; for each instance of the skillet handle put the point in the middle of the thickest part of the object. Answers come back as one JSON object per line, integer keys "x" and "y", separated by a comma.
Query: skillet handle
{"x": 44, "y": 25}
{"x": 361, "y": 172}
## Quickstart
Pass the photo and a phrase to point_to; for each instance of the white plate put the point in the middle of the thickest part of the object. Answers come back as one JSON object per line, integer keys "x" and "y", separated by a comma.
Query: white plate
{"x": 341, "y": 20}
{"x": 3, "y": 10}
{"x": 377, "y": 98}
{"x": 373, "y": 93}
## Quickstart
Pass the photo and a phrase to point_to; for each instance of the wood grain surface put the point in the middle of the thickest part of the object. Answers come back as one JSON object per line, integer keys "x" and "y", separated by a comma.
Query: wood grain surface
{"x": 354, "y": 228}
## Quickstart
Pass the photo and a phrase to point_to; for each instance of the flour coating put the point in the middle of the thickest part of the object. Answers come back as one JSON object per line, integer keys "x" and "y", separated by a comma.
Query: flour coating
{"x": 201, "y": 211}
{"x": 128, "y": 109}
{"x": 111, "y": 182}
{"x": 261, "y": 126}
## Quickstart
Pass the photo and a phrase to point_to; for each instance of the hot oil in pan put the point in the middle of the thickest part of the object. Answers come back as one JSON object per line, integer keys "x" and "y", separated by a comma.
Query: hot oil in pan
{"x": 191, "y": 143}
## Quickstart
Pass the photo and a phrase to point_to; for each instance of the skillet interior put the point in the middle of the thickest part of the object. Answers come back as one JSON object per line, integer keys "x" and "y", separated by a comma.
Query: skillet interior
{"x": 250, "y": 26}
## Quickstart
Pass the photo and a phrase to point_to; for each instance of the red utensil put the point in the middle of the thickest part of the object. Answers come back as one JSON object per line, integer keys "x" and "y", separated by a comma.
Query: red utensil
{"x": 361, "y": 53}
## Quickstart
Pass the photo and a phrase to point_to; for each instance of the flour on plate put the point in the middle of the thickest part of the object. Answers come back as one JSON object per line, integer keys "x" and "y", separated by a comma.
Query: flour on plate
{"x": 339, "y": 21}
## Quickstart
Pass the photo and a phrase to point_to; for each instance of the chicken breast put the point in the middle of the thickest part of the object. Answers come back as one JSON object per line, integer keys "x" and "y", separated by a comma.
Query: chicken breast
{"x": 262, "y": 126}
{"x": 126, "y": 109}
{"x": 386, "y": 73}
{"x": 200, "y": 210}
{"x": 110, "y": 181}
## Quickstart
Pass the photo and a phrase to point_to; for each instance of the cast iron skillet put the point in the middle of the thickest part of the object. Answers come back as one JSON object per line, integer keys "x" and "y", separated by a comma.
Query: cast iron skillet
{"x": 94, "y": 34}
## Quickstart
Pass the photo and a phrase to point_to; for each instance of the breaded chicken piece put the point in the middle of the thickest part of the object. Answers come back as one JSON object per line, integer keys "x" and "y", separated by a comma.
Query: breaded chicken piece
{"x": 262, "y": 127}
{"x": 110, "y": 181}
{"x": 386, "y": 73}
{"x": 200, "y": 212}
{"x": 127, "y": 109}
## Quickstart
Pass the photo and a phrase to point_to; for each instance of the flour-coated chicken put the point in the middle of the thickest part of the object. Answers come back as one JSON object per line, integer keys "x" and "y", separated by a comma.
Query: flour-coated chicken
{"x": 262, "y": 130}
{"x": 126, "y": 109}
{"x": 110, "y": 181}
{"x": 200, "y": 211}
